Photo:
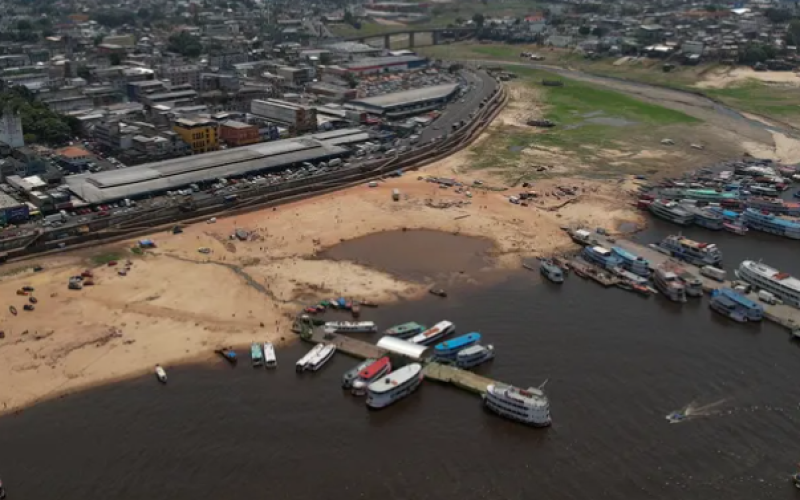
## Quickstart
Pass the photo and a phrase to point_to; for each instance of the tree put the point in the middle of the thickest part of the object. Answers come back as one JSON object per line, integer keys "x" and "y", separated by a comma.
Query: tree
{"x": 185, "y": 44}
{"x": 478, "y": 19}
{"x": 584, "y": 30}
{"x": 712, "y": 8}
{"x": 351, "y": 80}
{"x": 24, "y": 25}
{"x": 84, "y": 73}
{"x": 778, "y": 16}
{"x": 115, "y": 59}
{"x": 598, "y": 32}
{"x": 40, "y": 123}
{"x": 325, "y": 58}
{"x": 143, "y": 13}
{"x": 752, "y": 54}
{"x": 98, "y": 39}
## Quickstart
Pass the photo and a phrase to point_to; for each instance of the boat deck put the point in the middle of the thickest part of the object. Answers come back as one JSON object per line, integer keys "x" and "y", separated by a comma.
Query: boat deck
{"x": 460, "y": 378}
{"x": 348, "y": 345}
{"x": 782, "y": 314}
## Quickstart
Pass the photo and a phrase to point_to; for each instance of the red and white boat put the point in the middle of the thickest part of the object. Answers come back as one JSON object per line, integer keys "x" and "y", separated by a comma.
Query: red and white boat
{"x": 735, "y": 228}
{"x": 370, "y": 374}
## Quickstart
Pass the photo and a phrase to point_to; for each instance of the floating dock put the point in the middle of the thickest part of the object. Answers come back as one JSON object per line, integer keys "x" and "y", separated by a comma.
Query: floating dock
{"x": 361, "y": 349}
{"x": 781, "y": 314}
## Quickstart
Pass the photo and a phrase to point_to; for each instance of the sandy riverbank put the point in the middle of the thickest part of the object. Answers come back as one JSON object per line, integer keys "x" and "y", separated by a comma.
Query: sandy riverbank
{"x": 178, "y": 304}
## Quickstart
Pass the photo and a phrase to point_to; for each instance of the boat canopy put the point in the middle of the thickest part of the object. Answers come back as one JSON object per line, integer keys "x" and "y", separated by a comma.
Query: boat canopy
{"x": 402, "y": 347}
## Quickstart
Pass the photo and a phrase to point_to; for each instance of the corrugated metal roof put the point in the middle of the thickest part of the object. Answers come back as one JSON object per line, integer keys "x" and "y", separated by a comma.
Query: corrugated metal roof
{"x": 402, "y": 347}
{"x": 407, "y": 97}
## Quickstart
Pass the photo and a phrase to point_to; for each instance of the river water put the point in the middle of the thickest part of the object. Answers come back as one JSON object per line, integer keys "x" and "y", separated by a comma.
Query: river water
{"x": 617, "y": 364}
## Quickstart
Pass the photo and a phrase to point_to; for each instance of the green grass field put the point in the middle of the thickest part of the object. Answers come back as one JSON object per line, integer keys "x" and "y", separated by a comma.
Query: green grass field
{"x": 588, "y": 118}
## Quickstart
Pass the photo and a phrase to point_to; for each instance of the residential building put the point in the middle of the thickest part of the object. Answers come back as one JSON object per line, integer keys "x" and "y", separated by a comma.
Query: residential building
{"x": 235, "y": 133}
{"x": 186, "y": 74}
{"x": 199, "y": 133}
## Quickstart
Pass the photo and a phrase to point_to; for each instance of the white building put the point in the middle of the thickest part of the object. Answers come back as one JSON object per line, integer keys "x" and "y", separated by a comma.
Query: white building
{"x": 11, "y": 129}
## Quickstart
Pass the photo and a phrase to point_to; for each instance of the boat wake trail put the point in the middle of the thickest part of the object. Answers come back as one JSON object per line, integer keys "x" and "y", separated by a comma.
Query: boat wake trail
{"x": 694, "y": 410}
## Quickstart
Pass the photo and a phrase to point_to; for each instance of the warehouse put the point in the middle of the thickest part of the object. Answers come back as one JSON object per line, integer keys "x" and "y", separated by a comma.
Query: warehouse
{"x": 375, "y": 65}
{"x": 407, "y": 102}
{"x": 159, "y": 177}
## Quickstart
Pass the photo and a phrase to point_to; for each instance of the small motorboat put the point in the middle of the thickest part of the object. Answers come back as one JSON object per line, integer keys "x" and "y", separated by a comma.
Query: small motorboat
{"x": 228, "y": 355}
{"x": 367, "y": 303}
{"x": 310, "y": 310}
{"x": 796, "y": 194}
{"x": 2, "y": 490}
{"x": 33, "y": 300}
{"x": 13, "y": 310}
{"x": 676, "y": 417}
{"x": 735, "y": 228}
{"x": 355, "y": 310}
{"x": 795, "y": 480}
{"x": 439, "y": 292}
{"x": 28, "y": 307}
{"x": 28, "y": 288}
{"x": 161, "y": 375}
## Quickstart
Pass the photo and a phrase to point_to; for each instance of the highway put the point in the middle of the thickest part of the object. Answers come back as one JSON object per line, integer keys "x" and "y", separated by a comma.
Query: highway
{"x": 483, "y": 86}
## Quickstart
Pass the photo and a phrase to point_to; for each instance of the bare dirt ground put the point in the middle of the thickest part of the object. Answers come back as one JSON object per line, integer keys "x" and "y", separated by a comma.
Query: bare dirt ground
{"x": 721, "y": 78}
{"x": 178, "y": 304}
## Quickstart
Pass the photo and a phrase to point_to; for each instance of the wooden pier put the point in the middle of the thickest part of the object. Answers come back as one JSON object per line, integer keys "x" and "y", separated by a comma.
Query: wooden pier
{"x": 432, "y": 370}
{"x": 460, "y": 378}
{"x": 348, "y": 345}
{"x": 781, "y": 314}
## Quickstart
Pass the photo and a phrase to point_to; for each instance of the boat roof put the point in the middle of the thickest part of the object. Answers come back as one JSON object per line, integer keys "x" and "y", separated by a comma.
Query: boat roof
{"x": 349, "y": 323}
{"x": 737, "y": 297}
{"x": 438, "y": 327}
{"x": 764, "y": 270}
{"x": 601, "y": 250}
{"x": 458, "y": 341}
{"x": 527, "y": 396}
{"x": 780, "y": 221}
{"x": 471, "y": 350}
{"x": 411, "y": 325}
{"x": 626, "y": 254}
{"x": 397, "y": 377}
{"x": 691, "y": 243}
{"x": 402, "y": 347}
{"x": 373, "y": 368}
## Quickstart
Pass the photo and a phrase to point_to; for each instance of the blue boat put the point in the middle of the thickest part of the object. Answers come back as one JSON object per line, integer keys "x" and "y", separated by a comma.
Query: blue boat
{"x": 602, "y": 257}
{"x": 450, "y": 348}
{"x": 341, "y": 302}
{"x": 256, "y": 354}
{"x": 773, "y": 224}
{"x": 735, "y": 305}
{"x": 631, "y": 262}
{"x": 796, "y": 194}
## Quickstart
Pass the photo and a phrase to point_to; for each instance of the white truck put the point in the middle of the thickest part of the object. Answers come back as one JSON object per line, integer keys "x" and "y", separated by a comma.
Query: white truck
{"x": 714, "y": 273}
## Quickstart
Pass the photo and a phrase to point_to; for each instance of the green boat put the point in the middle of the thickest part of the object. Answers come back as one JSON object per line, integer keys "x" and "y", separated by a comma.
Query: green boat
{"x": 406, "y": 330}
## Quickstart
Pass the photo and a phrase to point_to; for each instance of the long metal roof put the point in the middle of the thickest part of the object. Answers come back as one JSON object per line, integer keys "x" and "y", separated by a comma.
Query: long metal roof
{"x": 166, "y": 175}
{"x": 407, "y": 97}
{"x": 402, "y": 347}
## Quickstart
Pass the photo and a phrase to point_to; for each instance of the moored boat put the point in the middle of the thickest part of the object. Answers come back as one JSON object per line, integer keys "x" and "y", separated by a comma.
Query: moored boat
{"x": 671, "y": 211}
{"x": 405, "y": 330}
{"x": 161, "y": 374}
{"x": 370, "y": 374}
{"x": 669, "y": 284}
{"x": 228, "y": 355}
{"x": 551, "y": 271}
{"x": 706, "y": 218}
{"x": 474, "y": 355}
{"x": 735, "y": 228}
{"x": 270, "y": 360}
{"x": 394, "y": 386}
{"x": 736, "y": 306}
{"x": 256, "y": 355}
{"x": 601, "y": 256}
{"x": 352, "y": 374}
{"x": 350, "y": 327}
{"x": 448, "y": 349}
{"x": 529, "y": 406}
{"x": 782, "y": 285}
{"x": 302, "y": 362}
{"x": 632, "y": 262}
{"x": 320, "y": 358}
{"x": 431, "y": 335}
{"x": 772, "y": 224}
{"x": 692, "y": 284}
{"x": 691, "y": 251}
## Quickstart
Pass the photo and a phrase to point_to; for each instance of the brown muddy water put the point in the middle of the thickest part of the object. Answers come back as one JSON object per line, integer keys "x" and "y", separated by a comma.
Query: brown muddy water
{"x": 617, "y": 364}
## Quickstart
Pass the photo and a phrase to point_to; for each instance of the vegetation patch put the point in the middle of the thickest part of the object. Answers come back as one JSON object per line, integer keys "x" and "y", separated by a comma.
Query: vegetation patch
{"x": 105, "y": 258}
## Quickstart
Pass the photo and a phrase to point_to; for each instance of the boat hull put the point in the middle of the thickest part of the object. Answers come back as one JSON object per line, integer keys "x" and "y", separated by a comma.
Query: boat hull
{"x": 380, "y": 401}
{"x": 499, "y": 411}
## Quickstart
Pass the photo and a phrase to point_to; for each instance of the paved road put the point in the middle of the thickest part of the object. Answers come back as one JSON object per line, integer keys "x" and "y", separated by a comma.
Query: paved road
{"x": 456, "y": 111}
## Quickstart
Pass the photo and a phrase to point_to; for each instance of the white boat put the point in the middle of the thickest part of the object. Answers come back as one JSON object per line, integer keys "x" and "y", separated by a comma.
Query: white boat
{"x": 691, "y": 283}
{"x": 668, "y": 283}
{"x": 302, "y": 362}
{"x": 161, "y": 374}
{"x": 351, "y": 327}
{"x": 270, "y": 360}
{"x": 318, "y": 361}
{"x": 474, "y": 355}
{"x": 431, "y": 335}
{"x": 527, "y": 406}
{"x": 394, "y": 386}
{"x": 783, "y": 285}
